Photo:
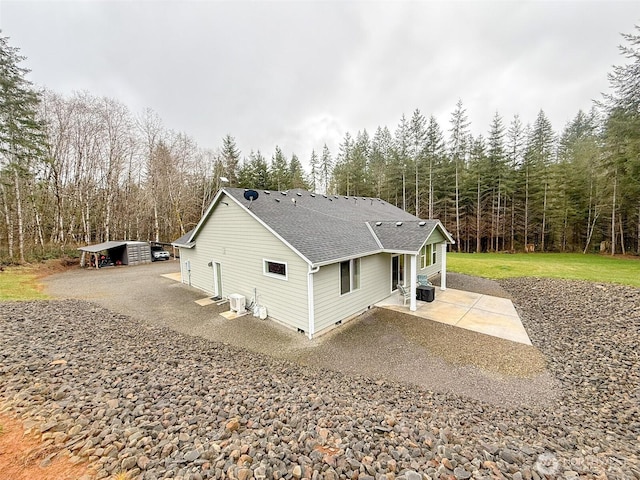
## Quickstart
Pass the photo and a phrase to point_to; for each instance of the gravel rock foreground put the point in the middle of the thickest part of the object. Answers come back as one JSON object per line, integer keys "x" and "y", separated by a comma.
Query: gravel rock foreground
{"x": 157, "y": 404}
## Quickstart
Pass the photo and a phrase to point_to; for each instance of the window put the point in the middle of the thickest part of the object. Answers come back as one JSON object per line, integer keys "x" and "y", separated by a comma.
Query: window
{"x": 427, "y": 255}
{"x": 275, "y": 269}
{"x": 349, "y": 276}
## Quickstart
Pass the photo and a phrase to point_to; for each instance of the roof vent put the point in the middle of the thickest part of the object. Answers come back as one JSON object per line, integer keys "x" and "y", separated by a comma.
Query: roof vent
{"x": 346, "y": 197}
{"x": 294, "y": 201}
{"x": 267, "y": 192}
{"x": 278, "y": 200}
{"x": 398, "y": 224}
{"x": 324, "y": 195}
{"x": 422, "y": 224}
{"x": 331, "y": 199}
{"x": 336, "y": 196}
{"x": 298, "y": 194}
{"x": 378, "y": 224}
{"x": 313, "y": 195}
{"x": 284, "y": 193}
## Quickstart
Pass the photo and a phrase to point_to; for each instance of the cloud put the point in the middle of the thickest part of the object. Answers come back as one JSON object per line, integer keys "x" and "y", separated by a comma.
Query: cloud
{"x": 301, "y": 74}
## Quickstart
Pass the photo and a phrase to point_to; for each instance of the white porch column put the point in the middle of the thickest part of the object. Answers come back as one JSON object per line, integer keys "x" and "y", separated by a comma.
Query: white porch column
{"x": 443, "y": 271}
{"x": 413, "y": 273}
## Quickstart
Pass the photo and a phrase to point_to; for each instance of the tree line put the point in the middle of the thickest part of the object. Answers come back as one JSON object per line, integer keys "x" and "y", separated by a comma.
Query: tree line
{"x": 81, "y": 169}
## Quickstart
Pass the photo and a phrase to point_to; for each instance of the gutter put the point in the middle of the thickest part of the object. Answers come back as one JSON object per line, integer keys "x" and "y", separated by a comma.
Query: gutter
{"x": 310, "y": 302}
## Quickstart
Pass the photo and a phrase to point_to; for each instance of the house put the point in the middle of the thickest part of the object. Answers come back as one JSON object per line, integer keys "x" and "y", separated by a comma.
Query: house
{"x": 313, "y": 260}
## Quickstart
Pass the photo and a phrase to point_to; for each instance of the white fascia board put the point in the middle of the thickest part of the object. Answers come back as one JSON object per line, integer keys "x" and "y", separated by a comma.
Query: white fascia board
{"x": 427, "y": 238}
{"x": 188, "y": 246}
{"x": 365, "y": 254}
{"x": 445, "y": 233}
{"x": 403, "y": 252}
{"x": 344, "y": 259}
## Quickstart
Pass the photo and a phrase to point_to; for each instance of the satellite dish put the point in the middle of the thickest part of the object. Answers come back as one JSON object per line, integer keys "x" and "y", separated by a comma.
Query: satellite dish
{"x": 250, "y": 195}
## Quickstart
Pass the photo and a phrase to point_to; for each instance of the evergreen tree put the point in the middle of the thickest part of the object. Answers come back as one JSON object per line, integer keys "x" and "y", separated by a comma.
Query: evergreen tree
{"x": 435, "y": 153}
{"x": 254, "y": 172}
{"x": 622, "y": 144}
{"x": 458, "y": 147}
{"x": 516, "y": 138}
{"x": 401, "y": 161}
{"x": 296, "y": 174}
{"x": 260, "y": 170}
{"x": 246, "y": 178}
{"x": 539, "y": 154}
{"x": 497, "y": 170}
{"x": 314, "y": 163}
{"x": 230, "y": 159}
{"x": 326, "y": 167}
{"x": 479, "y": 182}
{"x": 575, "y": 183}
{"x": 279, "y": 171}
{"x": 22, "y": 141}
{"x": 418, "y": 135}
{"x": 343, "y": 170}
{"x": 359, "y": 165}
{"x": 378, "y": 162}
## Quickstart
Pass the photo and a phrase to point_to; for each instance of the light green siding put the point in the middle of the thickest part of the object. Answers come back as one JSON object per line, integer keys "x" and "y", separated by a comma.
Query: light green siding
{"x": 240, "y": 243}
{"x": 331, "y": 307}
{"x": 435, "y": 239}
{"x": 436, "y": 236}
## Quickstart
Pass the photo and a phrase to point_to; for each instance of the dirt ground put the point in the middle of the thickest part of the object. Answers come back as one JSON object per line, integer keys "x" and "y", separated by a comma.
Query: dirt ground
{"x": 22, "y": 457}
{"x": 384, "y": 345}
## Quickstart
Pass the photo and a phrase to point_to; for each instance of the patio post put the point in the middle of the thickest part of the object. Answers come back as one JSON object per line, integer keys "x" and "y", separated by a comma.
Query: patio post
{"x": 443, "y": 271}
{"x": 413, "y": 273}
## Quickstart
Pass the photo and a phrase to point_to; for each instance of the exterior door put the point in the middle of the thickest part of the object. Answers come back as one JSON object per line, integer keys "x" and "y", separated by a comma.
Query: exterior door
{"x": 217, "y": 279}
{"x": 397, "y": 271}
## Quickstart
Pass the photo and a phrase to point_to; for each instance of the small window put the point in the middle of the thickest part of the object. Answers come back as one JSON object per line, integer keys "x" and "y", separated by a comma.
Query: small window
{"x": 433, "y": 254}
{"x": 349, "y": 276}
{"x": 275, "y": 269}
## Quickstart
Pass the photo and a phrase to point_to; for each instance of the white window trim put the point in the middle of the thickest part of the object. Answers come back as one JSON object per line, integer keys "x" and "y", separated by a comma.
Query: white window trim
{"x": 427, "y": 254}
{"x": 351, "y": 276}
{"x": 266, "y": 273}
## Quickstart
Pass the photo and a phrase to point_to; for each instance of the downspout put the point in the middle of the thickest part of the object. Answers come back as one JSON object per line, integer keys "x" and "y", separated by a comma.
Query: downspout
{"x": 310, "y": 303}
{"x": 443, "y": 268}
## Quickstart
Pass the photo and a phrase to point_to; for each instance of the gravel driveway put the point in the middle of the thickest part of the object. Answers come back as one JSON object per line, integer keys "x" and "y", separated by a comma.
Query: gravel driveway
{"x": 384, "y": 345}
{"x": 139, "y": 398}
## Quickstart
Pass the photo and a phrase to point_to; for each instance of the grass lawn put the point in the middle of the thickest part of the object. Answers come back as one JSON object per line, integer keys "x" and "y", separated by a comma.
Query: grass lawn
{"x": 575, "y": 266}
{"x": 21, "y": 283}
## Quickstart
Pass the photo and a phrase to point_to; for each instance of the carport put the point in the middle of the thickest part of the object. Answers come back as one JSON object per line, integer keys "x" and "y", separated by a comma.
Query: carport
{"x": 116, "y": 253}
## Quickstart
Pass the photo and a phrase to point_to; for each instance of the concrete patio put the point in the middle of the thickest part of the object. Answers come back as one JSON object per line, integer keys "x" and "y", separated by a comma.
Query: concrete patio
{"x": 473, "y": 311}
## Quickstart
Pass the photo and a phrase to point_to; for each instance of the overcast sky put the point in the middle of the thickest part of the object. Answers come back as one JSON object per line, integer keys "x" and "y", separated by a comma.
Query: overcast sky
{"x": 299, "y": 74}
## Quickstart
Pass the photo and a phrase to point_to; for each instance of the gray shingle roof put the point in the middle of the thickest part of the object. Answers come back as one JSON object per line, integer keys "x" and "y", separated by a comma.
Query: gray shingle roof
{"x": 325, "y": 228}
{"x": 408, "y": 236}
{"x": 183, "y": 241}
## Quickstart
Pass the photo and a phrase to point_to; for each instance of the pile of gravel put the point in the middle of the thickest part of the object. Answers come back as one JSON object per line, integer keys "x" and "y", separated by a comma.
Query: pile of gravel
{"x": 157, "y": 404}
